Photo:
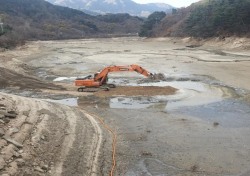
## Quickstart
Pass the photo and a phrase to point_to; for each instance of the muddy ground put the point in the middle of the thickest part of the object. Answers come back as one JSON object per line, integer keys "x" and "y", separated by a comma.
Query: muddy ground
{"x": 193, "y": 121}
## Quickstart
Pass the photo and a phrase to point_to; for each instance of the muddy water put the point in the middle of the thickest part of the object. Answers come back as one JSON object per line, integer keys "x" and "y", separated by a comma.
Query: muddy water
{"x": 191, "y": 92}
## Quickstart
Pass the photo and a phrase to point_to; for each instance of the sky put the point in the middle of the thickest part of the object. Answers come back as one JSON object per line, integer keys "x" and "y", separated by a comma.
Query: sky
{"x": 175, "y": 3}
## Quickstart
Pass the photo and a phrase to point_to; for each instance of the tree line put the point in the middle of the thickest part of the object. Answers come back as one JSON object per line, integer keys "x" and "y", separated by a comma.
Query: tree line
{"x": 207, "y": 18}
{"x": 39, "y": 20}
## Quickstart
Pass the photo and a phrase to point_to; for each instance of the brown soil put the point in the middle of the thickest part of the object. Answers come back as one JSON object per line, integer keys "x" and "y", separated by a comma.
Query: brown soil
{"x": 137, "y": 91}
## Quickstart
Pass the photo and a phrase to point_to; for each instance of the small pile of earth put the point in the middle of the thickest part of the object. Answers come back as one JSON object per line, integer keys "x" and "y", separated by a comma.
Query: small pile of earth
{"x": 137, "y": 91}
{"x": 157, "y": 77}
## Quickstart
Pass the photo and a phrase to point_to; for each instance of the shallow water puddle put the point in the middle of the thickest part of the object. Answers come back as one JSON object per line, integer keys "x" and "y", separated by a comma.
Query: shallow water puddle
{"x": 64, "y": 79}
{"x": 189, "y": 94}
{"x": 227, "y": 113}
{"x": 132, "y": 102}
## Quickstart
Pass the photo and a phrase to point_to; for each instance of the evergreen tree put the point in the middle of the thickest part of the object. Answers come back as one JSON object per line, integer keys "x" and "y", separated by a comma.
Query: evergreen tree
{"x": 152, "y": 20}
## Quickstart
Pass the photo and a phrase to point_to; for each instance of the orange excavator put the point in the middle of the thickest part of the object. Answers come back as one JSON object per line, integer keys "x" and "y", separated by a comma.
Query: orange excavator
{"x": 99, "y": 80}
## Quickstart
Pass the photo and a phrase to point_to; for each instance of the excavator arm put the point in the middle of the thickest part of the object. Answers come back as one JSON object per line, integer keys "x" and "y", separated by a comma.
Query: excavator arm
{"x": 102, "y": 76}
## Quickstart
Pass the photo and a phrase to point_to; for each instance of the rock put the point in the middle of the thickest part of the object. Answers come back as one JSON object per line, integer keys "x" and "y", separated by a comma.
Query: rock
{"x": 34, "y": 164}
{"x": 6, "y": 120}
{"x": 26, "y": 113}
{"x": 10, "y": 140}
{"x": 10, "y": 115}
{"x": 39, "y": 169}
{"x": 45, "y": 167}
{"x": 43, "y": 137}
{"x": 216, "y": 124}
{"x": 2, "y": 144}
{"x": 2, "y": 163}
{"x": 1, "y": 121}
{"x": 1, "y": 116}
{"x": 10, "y": 160}
{"x": 2, "y": 132}
{"x": 15, "y": 149}
{"x": 12, "y": 112}
{"x": 20, "y": 162}
{"x": 144, "y": 153}
{"x": 14, "y": 130}
{"x": 2, "y": 111}
{"x": 17, "y": 155}
{"x": 2, "y": 108}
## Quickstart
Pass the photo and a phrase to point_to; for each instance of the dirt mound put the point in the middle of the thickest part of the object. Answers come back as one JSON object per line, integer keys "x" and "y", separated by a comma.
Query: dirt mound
{"x": 137, "y": 91}
{"x": 10, "y": 78}
{"x": 158, "y": 77}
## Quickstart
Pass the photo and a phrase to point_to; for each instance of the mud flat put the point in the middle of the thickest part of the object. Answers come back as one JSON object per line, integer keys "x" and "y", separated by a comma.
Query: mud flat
{"x": 137, "y": 91}
{"x": 195, "y": 121}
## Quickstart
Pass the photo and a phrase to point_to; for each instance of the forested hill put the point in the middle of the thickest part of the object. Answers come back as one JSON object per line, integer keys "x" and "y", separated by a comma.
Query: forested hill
{"x": 207, "y": 18}
{"x": 40, "y": 20}
{"x": 114, "y": 6}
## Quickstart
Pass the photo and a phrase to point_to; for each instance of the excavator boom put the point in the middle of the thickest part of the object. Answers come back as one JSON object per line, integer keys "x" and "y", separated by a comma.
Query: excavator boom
{"x": 102, "y": 76}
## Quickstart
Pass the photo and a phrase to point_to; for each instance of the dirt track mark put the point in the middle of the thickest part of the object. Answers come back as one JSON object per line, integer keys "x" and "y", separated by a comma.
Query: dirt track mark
{"x": 57, "y": 138}
{"x": 96, "y": 144}
{"x": 114, "y": 140}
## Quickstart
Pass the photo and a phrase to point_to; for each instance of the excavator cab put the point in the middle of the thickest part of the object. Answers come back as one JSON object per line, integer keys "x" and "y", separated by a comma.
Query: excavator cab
{"x": 95, "y": 75}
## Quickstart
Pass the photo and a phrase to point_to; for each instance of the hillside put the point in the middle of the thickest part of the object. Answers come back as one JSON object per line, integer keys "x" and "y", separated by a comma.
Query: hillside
{"x": 207, "y": 18}
{"x": 40, "y": 20}
{"x": 114, "y": 6}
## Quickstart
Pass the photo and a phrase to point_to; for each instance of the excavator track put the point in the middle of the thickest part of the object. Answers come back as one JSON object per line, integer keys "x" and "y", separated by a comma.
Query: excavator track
{"x": 110, "y": 85}
{"x": 94, "y": 89}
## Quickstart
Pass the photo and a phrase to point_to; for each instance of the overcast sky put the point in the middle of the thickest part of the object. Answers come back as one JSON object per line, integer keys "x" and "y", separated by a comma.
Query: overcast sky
{"x": 175, "y": 3}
